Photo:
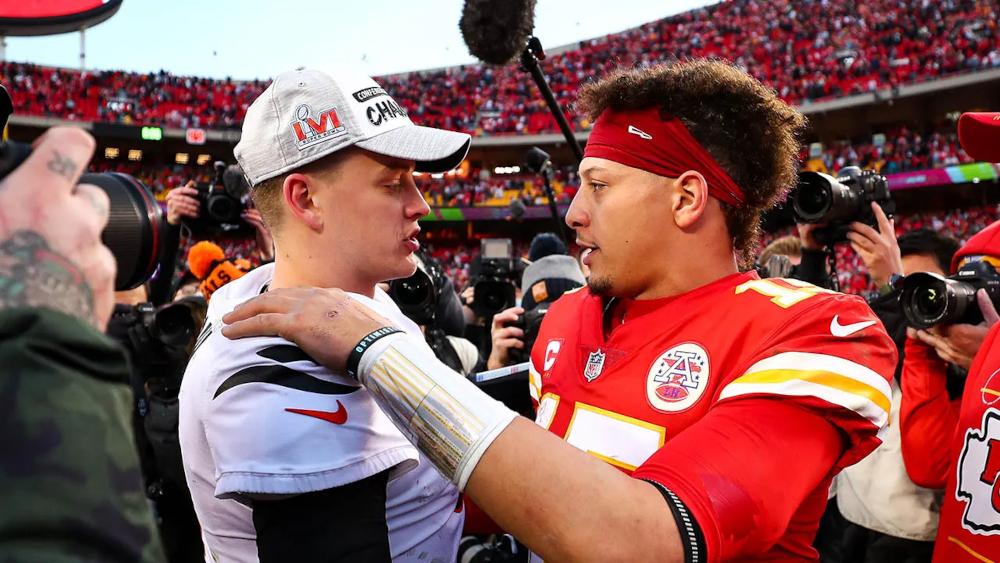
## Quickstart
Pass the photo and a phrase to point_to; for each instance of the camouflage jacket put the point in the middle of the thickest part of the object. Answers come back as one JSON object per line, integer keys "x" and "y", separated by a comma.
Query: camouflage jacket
{"x": 70, "y": 485}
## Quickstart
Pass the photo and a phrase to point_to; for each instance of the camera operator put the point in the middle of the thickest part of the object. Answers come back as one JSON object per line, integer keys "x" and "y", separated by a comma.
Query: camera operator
{"x": 942, "y": 445}
{"x": 428, "y": 298}
{"x": 69, "y": 474}
{"x": 890, "y": 517}
{"x": 158, "y": 342}
{"x": 551, "y": 273}
{"x": 185, "y": 209}
{"x": 799, "y": 257}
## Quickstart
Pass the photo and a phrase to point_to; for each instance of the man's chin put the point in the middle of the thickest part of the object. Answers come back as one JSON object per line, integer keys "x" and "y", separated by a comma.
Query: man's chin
{"x": 600, "y": 285}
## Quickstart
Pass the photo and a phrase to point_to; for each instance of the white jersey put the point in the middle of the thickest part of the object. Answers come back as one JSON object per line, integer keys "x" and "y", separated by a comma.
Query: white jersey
{"x": 258, "y": 416}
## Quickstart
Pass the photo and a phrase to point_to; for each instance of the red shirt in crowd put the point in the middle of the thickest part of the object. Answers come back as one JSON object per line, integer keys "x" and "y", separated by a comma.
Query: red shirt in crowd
{"x": 743, "y": 397}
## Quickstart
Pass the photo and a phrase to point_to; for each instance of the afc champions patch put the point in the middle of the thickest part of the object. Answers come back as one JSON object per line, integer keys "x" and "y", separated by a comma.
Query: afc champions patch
{"x": 678, "y": 378}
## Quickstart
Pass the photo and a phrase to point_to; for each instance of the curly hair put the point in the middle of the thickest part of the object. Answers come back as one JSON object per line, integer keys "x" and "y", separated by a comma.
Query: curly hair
{"x": 750, "y": 132}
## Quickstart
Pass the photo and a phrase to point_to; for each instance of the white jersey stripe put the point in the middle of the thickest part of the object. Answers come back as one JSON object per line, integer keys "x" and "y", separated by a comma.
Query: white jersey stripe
{"x": 805, "y": 361}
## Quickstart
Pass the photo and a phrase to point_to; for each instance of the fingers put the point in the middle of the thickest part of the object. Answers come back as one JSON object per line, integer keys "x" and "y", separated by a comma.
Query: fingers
{"x": 95, "y": 201}
{"x": 506, "y": 333}
{"x": 928, "y": 338}
{"x": 100, "y": 268}
{"x": 865, "y": 231}
{"x": 912, "y": 333}
{"x": 264, "y": 324}
{"x": 185, "y": 191}
{"x": 884, "y": 225}
{"x": 60, "y": 156}
{"x": 260, "y": 305}
{"x": 507, "y": 316}
{"x": 508, "y": 343}
{"x": 986, "y": 306}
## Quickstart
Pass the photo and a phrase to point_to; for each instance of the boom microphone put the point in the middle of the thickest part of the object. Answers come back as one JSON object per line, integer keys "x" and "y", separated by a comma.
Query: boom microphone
{"x": 496, "y": 31}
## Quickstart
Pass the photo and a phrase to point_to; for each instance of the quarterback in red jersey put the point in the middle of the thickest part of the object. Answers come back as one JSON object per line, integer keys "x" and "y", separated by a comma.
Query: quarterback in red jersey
{"x": 691, "y": 412}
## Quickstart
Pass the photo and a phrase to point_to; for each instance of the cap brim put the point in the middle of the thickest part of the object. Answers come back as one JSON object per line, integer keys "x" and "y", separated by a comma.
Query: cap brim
{"x": 979, "y": 134}
{"x": 434, "y": 150}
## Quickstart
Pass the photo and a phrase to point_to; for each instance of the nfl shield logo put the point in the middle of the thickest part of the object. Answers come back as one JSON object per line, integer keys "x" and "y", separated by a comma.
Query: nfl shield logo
{"x": 595, "y": 363}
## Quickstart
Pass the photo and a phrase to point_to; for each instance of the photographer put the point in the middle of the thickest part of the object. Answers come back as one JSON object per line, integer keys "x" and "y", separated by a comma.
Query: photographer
{"x": 799, "y": 257}
{"x": 551, "y": 273}
{"x": 891, "y": 517}
{"x": 183, "y": 206}
{"x": 69, "y": 475}
{"x": 428, "y": 298}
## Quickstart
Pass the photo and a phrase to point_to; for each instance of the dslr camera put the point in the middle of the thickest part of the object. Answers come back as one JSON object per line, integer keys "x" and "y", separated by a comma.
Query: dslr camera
{"x": 417, "y": 296}
{"x": 134, "y": 217}
{"x": 221, "y": 201}
{"x": 530, "y": 323}
{"x": 171, "y": 325}
{"x": 929, "y": 299}
{"x": 839, "y": 201}
{"x": 494, "y": 285}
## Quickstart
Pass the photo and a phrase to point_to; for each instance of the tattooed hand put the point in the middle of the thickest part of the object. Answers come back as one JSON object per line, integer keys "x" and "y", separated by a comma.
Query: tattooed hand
{"x": 51, "y": 254}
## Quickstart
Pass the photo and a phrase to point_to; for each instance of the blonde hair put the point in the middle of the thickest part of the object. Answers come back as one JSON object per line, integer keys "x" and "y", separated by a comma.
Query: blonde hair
{"x": 784, "y": 246}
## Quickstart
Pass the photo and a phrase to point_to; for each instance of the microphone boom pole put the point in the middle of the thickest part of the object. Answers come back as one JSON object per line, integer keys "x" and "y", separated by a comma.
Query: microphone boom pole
{"x": 533, "y": 52}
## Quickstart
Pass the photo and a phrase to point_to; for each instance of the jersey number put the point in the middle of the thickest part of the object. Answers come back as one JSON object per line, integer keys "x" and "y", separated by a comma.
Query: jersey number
{"x": 783, "y": 296}
{"x": 617, "y": 439}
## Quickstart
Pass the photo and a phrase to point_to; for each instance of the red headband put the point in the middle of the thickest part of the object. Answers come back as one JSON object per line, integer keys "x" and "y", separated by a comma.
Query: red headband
{"x": 641, "y": 139}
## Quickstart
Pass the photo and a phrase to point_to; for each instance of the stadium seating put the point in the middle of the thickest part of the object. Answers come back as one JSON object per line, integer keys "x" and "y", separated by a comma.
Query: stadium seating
{"x": 807, "y": 50}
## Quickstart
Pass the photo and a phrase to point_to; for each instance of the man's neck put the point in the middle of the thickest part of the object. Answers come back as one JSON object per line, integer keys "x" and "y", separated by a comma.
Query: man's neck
{"x": 697, "y": 271}
{"x": 310, "y": 271}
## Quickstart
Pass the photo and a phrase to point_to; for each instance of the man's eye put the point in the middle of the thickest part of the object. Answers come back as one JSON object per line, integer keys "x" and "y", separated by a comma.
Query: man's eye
{"x": 597, "y": 185}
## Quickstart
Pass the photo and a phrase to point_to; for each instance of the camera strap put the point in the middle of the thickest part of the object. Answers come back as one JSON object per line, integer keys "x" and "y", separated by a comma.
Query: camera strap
{"x": 831, "y": 260}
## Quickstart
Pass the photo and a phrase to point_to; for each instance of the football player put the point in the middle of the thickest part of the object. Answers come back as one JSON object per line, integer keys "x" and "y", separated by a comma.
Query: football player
{"x": 285, "y": 459}
{"x": 687, "y": 410}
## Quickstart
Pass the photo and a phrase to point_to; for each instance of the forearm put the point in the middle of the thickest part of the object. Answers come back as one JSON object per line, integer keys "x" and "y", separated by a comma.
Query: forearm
{"x": 562, "y": 503}
{"x": 567, "y": 505}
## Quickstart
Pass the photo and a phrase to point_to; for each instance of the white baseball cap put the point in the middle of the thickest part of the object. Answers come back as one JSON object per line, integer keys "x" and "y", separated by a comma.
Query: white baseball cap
{"x": 306, "y": 114}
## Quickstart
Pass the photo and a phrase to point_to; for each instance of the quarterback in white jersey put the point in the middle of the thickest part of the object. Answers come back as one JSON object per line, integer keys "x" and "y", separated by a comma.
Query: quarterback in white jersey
{"x": 259, "y": 417}
{"x": 287, "y": 461}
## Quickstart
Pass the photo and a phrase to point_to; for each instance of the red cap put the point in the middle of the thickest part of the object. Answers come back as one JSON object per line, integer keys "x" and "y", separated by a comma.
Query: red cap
{"x": 979, "y": 134}
{"x": 984, "y": 243}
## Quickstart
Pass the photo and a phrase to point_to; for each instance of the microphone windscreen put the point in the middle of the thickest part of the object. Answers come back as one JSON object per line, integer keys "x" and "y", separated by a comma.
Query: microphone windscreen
{"x": 496, "y": 31}
{"x": 235, "y": 182}
{"x": 202, "y": 256}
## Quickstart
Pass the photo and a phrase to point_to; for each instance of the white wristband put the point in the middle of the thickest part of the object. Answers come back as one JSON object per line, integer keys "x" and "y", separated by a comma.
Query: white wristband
{"x": 441, "y": 412}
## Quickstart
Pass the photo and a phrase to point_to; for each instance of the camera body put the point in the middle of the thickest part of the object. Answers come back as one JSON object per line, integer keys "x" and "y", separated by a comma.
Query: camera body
{"x": 929, "y": 299}
{"x": 839, "y": 201}
{"x": 171, "y": 325}
{"x": 494, "y": 285}
{"x": 417, "y": 296}
{"x": 530, "y": 323}
{"x": 219, "y": 209}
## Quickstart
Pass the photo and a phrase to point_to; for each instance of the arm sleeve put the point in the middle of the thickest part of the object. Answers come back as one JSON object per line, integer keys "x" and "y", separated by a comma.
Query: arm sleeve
{"x": 928, "y": 420}
{"x": 834, "y": 360}
{"x": 69, "y": 475}
{"x": 304, "y": 527}
{"x": 812, "y": 268}
{"x": 737, "y": 478}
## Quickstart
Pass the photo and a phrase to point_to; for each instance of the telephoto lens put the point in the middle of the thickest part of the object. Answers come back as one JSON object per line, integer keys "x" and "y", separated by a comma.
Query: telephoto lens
{"x": 135, "y": 220}
{"x": 929, "y": 299}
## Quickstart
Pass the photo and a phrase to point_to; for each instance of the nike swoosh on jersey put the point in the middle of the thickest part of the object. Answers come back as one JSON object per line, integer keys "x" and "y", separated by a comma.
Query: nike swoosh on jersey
{"x": 840, "y": 330}
{"x": 338, "y": 416}
{"x": 285, "y": 377}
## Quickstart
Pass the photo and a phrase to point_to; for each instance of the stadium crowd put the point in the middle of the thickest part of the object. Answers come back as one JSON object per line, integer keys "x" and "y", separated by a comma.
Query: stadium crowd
{"x": 807, "y": 50}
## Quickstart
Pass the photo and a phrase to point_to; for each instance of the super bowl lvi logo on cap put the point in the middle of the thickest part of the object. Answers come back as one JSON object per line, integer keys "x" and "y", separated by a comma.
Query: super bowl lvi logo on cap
{"x": 311, "y": 131}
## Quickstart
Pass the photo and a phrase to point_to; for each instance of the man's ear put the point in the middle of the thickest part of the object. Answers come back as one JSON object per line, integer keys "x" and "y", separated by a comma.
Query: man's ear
{"x": 690, "y": 198}
{"x": 299, "y": 191}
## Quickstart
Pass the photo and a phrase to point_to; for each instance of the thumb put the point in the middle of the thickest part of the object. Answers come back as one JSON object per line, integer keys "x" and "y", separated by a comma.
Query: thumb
{"x": 986, "y": 306}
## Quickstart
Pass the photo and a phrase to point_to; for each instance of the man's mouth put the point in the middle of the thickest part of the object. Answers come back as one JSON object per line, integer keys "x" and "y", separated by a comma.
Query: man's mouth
{"x": 411, "y": 241}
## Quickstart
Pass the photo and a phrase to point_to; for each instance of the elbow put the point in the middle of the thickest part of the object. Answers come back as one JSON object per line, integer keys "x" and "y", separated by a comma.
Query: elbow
{"x": 922, "y": 472}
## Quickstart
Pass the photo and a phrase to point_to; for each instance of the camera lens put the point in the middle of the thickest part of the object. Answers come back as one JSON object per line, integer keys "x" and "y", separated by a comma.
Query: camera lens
{"x": 812, "y": 200}
{"x": 929, "y": 299}
{"x": 223, "y": 209}
{"x": 412, "y": 291}
{"x": 173, "y": 325}
{"x": 133, "y": 231}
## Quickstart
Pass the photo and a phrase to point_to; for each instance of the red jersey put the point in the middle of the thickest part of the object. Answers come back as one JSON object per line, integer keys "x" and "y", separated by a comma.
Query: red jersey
{"x": 730, "y": 348}
{"x": 970, "y": 515}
